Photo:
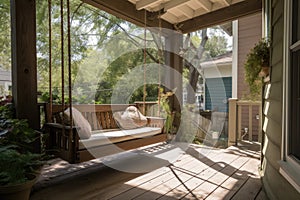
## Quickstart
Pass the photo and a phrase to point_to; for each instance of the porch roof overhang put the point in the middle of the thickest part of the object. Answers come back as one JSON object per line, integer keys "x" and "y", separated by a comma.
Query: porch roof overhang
{"x": 182, "y": 15}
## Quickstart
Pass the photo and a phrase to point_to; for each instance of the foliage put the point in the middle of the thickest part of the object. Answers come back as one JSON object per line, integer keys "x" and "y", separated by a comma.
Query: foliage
{"x": 167, "y": 112}
{"x": 258, "y": 57}
{"x": 215, "y": 46}
{"x": 17, "y": 160}
{"x": 5, "y": 50}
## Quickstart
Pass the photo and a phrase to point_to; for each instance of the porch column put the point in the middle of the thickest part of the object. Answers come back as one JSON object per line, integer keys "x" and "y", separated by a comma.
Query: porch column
{"x": 173, "y": 43}
{"x": 24, "y": 67}
{"x": 232, "y": 120}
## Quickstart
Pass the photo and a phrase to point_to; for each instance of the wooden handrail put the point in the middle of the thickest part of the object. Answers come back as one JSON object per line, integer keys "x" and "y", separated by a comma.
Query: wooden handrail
{"x": 235, "y": 120}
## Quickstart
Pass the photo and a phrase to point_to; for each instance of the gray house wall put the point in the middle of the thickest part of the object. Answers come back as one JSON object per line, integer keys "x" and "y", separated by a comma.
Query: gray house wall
{"x": 5, "y": 81}
{"x": 275, "y": 184}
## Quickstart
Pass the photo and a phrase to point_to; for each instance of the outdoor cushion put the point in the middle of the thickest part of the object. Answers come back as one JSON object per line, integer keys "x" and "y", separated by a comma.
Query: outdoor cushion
{"x": 102, "y": 137}
{"x": 131, "y": 118}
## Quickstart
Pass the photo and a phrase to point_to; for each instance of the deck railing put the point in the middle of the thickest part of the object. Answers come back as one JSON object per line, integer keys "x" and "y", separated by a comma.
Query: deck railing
{"x": 235, "y": 129}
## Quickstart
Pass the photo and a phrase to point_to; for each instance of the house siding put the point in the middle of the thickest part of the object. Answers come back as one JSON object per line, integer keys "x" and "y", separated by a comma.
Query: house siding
{"x": 274, "y": 182}
{"x": 217, "y": 92}
{"x": 249, "y": 33}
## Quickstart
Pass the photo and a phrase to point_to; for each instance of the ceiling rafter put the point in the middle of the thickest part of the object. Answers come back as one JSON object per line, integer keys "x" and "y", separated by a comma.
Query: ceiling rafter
{"x": 173, "y": 4}
{"x": 187, "y": 11}
{"x": 127, "y": 11}
{"x": 222, "y": 15}
{"x": 227, "y": 2}
{"x": 206, "y": 4}
{"x": 142, "y": 4}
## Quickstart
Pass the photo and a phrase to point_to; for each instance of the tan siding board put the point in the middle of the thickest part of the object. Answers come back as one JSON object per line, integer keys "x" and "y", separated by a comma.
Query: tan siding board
{"x": 273, "y": 154}
{"x": 275, "y": 111}
{"x": 280, "y": 188}
{"x": 277, "y": 13}
{"x": 276, "y": 91}
{"x": 274, "y": 132}
{"x": 276, "y": 72}
{"x": 277, "y": 53}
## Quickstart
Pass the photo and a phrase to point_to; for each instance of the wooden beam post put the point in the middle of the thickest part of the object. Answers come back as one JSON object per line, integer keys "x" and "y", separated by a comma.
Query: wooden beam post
{"x": 174, "y": 42}
{"x": 24, "y": 67}
{"x": 232, "y": 139}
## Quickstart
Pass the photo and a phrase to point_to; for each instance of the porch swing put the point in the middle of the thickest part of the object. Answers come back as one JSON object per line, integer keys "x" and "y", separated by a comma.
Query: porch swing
{"x": 98, "y": 133}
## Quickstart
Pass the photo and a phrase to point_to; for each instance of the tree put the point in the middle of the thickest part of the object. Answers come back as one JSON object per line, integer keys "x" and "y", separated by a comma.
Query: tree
{"x": 5, "y": 44}
{"x": 198, "y": 49}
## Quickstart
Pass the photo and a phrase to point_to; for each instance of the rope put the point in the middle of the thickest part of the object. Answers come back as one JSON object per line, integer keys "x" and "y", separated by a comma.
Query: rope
{"x": 50, "y": 58}
{"x": 62, "y": 58}
{"x": 69, "y": 62}
{"x": 159, "y": 61}
{"x": 145, "y": 54}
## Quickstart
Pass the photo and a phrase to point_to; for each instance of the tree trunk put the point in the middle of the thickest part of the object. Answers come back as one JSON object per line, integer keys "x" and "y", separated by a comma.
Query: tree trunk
{"x": 193, "y": 72}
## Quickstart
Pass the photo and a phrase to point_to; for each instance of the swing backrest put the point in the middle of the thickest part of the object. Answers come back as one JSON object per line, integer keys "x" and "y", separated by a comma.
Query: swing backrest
{"x": 99, "y": 116}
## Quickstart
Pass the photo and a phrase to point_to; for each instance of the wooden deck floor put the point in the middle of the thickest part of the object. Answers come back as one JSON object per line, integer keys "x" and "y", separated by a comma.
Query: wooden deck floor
{"x": 198, "y": 173}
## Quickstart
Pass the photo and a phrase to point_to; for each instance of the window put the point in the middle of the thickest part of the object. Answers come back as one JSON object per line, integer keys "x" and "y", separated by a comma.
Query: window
{"x": 294, "y": 126}
{"x": 290, "y": 165}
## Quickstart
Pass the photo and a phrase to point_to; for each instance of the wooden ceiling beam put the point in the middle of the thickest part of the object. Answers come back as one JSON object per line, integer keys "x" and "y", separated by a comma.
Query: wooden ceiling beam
{"x": 142, "y": 4}
{"x": 221, "y": 16}
{"x": 127, "y": 11}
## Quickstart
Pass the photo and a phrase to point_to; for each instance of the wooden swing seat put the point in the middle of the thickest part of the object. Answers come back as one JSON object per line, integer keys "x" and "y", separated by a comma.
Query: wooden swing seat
{"x": 106, "y": 139}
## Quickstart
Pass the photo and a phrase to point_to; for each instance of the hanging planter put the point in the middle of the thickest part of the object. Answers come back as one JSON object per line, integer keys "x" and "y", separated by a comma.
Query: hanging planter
{"x": 257, "y": 65}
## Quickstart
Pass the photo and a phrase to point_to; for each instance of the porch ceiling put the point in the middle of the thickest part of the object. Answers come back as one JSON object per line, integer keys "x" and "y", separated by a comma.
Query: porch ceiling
{"x": 183, "y": 15}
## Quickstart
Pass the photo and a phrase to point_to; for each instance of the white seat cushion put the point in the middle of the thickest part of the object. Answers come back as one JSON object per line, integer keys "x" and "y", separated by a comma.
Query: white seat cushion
{"x": 102, "y": 137}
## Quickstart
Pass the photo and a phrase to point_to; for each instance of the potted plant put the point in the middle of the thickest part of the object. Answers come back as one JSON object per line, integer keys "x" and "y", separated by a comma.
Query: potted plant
{"x": 257, "y": 65}
{"x": 18, "y": 163}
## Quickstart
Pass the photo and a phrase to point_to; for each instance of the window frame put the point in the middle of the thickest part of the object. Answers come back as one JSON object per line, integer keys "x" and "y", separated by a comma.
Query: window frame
{"x": 289, "y": 167}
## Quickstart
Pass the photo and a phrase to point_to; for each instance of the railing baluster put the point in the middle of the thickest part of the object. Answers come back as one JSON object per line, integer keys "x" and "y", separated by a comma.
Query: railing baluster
{"x": 239, "y": 121}
{"x": 250, "y": 122}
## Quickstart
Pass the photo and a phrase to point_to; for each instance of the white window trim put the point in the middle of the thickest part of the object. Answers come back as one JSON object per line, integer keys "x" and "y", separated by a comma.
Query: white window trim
{"x": 289, "y": 168}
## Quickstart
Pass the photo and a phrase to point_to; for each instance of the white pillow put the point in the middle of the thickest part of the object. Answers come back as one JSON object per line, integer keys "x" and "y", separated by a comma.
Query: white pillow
{"x": 131, "y": 118}
{"x": 85, "y": 129}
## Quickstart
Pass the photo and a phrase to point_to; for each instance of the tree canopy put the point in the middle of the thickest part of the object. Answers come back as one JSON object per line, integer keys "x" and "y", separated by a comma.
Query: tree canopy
{"x": 99, "y": 58}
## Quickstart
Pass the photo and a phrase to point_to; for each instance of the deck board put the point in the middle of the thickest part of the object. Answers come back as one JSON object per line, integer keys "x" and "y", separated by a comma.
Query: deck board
{"x": 199, "y": 173}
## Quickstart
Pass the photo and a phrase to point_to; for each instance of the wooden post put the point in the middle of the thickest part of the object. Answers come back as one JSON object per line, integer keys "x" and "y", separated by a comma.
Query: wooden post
{"x": 232, "y": 140}
{"x": 24, "y": 67}
{"x": 174, "y": 42}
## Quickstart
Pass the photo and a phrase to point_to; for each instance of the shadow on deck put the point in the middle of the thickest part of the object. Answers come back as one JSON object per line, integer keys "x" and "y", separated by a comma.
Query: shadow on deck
{"x": 198, "y": 173}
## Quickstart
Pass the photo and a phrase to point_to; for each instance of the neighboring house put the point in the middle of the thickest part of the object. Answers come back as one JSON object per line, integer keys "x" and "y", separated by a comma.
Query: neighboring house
{"x": 218, "y": 82}
{"x": 225, "y": 75}
{"x": 280, "y": 167}
{"x": 5, "y": 82}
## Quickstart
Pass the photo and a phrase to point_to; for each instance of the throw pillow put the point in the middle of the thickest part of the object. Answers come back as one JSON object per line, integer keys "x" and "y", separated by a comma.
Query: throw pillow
{"x": 131, "y": 118}
{"x": 85, "y": 129}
